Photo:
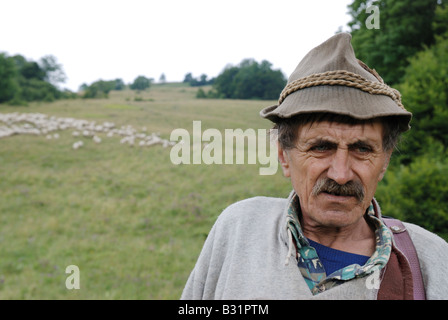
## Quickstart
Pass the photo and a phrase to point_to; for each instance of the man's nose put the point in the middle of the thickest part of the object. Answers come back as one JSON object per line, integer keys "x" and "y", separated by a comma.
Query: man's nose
{"x": 340, "y": 167}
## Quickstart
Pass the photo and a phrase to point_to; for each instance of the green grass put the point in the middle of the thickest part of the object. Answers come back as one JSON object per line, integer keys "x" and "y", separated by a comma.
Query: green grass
{"x": 132, "y": 222}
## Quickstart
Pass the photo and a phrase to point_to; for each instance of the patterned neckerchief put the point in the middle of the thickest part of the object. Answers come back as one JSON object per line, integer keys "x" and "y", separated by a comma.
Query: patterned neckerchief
{"x": 310, "y": 265}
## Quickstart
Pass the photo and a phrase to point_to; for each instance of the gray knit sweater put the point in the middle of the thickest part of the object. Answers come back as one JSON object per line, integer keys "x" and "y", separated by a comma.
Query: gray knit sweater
{"x": 244, "y": 258}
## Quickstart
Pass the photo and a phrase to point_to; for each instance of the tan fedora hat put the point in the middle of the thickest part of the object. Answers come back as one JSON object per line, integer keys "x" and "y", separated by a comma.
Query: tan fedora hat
{"x": 331, "y": 79}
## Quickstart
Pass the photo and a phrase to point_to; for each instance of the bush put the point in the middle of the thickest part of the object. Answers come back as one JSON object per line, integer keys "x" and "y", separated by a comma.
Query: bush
{"x": 211, "y": 94}
{"x": 200, "y": 94}
{"x": 37, "y": 90}
{"x": 418, "y": 193}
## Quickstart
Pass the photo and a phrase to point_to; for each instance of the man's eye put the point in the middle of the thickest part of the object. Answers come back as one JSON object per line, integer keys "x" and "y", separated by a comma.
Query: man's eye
{"x": 364, "y": 149}
{"x": 320, "y": 148}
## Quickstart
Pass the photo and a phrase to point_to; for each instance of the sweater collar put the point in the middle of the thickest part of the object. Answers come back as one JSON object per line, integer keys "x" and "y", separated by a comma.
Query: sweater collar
{"x": 299, "y": 243}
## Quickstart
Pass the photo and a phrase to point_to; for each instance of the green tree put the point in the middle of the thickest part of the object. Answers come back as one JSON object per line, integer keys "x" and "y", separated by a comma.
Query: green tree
{"x": 162, "y": 78}
{"x": 405, "y": 27}
{"x": 54, "y": 73}
{"x": 119, "y": 84}
{"x": 188, "y": 78}
{"x": 425, "y": 94}
{"x": 37, "y": 90}
{"x": 141, "y": 83}
{"x": 32, "y": 81}
{"x": 23, "y": 80}
{"x": 197, "y": 82}
{"x": 224, "y": 83}
{"x": 250, "y": 80}
{"x": 8, "y": 74}
{"x": 440, "y": 25}
{"x": 99, "y": 89}
{"x": 83, "y": 87}
{"x": 31, "y": 70}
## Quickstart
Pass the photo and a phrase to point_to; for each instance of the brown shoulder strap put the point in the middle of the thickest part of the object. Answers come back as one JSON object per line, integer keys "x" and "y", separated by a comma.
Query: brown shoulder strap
{"x": 396, "y": 278}
{"x": 404, "y": 244}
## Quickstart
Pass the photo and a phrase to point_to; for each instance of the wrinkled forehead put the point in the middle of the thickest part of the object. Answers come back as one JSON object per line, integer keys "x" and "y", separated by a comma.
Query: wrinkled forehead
{"x": 340, "y": 131}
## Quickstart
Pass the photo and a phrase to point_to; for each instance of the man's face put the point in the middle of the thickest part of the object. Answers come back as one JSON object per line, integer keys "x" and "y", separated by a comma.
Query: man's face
{"x": 330, "y": 155}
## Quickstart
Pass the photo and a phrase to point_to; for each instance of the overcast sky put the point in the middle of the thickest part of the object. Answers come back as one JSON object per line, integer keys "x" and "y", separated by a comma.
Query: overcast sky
{"x": 111, "y": 39}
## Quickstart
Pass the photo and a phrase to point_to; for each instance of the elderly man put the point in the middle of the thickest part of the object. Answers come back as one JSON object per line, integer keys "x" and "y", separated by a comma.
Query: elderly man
{"x": 337, "y": 125}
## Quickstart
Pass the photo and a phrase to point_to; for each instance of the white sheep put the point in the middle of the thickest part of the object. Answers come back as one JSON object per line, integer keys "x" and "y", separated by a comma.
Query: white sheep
{"x": 87, "y": 133}
{"x": 78, "y": 144}
{"x": 41, "y": 124}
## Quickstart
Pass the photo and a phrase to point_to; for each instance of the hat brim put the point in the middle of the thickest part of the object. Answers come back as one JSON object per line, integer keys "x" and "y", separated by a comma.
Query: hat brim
{"x": 338, "y": 100}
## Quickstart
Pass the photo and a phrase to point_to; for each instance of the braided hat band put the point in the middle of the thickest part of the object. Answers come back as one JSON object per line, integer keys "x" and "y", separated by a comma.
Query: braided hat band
{"x": 341, "y": 78}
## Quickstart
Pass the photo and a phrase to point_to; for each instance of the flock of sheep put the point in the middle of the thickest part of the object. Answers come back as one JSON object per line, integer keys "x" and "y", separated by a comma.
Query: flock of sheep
{"x": 82, "y": 130}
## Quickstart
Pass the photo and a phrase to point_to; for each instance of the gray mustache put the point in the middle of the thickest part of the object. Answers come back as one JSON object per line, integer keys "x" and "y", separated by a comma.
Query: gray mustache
{"x": 351, "y": 188}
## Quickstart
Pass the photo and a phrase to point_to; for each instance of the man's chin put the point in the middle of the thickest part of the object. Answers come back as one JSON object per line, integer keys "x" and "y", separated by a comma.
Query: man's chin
{"x": 338, "y": 210}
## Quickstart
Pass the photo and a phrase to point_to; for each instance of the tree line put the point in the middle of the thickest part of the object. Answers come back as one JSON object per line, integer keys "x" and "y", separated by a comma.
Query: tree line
{"x": 247, "y": 80}
{"x": 101, "y": 88}
{"x": 202, "y": 80}
{"x": 23, "y": 80}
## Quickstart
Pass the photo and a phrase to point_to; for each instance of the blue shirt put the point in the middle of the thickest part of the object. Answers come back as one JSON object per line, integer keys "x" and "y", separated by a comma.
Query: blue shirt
{"x": 334, "y": 260}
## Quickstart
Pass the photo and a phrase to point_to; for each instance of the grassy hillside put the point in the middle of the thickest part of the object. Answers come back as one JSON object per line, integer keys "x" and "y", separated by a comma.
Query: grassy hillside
{"x": 132, "y": 222}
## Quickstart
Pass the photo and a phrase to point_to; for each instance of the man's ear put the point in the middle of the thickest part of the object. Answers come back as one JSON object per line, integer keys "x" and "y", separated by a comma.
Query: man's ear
{"x": 386, "y": 164}
{"x": 283, "y": 158}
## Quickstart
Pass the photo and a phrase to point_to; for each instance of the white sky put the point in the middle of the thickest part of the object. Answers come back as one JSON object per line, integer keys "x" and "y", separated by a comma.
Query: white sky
{"x": 96, "y": 39}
